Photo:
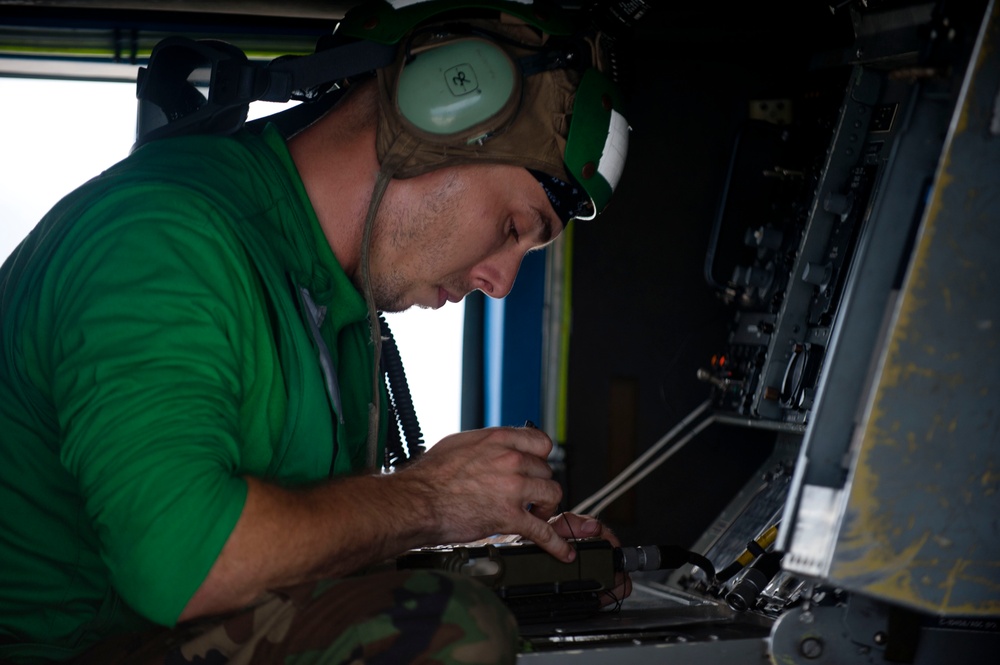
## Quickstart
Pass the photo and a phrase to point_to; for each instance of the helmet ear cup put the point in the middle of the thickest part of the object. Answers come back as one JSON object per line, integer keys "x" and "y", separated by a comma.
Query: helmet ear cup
{"x": 460, "y": 90}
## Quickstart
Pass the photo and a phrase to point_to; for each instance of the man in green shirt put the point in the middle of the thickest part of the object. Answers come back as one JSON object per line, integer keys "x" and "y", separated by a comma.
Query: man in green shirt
{"x": 189, "y": 419}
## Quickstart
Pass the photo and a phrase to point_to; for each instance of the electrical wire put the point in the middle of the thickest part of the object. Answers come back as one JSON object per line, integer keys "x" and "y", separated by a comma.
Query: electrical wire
{"x": 622, "y": 477}
{"x": 398, "y": 152}
{"x": 596, "y": 510}
{"x": 381, "y": 182}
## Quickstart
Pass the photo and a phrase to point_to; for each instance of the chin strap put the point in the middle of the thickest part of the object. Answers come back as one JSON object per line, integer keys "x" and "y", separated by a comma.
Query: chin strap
{"x": 398, "y": 153}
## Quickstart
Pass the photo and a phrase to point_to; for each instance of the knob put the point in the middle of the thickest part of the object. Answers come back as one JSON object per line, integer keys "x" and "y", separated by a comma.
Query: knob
{"x": 817, "y": 274}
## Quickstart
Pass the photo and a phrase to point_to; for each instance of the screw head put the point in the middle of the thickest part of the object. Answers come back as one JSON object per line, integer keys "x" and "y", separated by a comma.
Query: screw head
{"x": 811, "y": 647}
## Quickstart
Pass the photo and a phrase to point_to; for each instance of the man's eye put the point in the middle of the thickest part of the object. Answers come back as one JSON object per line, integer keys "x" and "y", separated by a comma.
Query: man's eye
{"x": 512, "y": 231}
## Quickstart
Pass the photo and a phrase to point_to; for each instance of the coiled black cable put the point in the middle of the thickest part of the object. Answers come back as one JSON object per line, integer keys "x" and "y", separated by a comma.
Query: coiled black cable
{"x": 401, "y": 403}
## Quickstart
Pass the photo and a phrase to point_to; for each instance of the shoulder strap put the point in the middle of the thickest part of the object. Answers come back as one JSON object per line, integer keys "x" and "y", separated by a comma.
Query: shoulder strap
{"x": 170, "y": 103}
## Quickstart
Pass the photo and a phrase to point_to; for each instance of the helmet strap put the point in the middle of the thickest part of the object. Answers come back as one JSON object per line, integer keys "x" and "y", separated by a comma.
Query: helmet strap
{"x": 401, "y": 149}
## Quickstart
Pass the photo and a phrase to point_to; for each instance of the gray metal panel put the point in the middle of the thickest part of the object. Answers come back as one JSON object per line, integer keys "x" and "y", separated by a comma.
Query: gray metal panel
{"x": 852, "y": 126}
{"x": 920, "y": 527}
{"x": 864, "y": 632}
{"x": 750, "y": 650}
{"x": 656, "y": 624}
{"x": 819, "y": 493}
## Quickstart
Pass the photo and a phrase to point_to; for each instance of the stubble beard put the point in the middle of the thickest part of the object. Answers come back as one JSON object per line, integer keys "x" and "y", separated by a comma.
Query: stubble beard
{"x": 387, "y": 292}
{"x": 402, "y": 231}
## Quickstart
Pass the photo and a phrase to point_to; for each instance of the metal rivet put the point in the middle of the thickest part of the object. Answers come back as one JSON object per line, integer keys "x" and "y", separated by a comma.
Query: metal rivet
{"x": 606, "y": 102}
{"x": 371, "y": 23}
{"x": 589, "y": 170}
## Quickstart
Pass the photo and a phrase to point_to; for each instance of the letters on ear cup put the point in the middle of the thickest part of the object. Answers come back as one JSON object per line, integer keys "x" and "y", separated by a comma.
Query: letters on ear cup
{"x": 464, "y": 88}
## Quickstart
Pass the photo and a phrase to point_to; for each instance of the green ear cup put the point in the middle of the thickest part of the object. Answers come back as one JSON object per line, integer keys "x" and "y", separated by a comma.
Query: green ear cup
{"x": 451, "y": 88}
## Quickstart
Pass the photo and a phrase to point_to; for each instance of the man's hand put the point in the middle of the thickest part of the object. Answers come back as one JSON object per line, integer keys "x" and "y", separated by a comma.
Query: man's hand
{"x": 570, "y": 525}
{"x": 468, "y": 486}
{"x": 482, "y": 482}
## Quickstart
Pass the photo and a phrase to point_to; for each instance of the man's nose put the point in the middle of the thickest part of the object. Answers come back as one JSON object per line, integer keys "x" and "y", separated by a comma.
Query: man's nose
{"x": 496, "y": 276}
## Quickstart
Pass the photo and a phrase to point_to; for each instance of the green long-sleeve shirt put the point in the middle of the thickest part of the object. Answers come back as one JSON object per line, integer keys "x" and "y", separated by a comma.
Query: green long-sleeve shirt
{"x": 153, "y": 351}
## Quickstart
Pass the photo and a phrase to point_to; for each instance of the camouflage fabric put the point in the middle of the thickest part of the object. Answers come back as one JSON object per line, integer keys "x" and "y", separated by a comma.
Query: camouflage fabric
{"x": 390, "y": 618}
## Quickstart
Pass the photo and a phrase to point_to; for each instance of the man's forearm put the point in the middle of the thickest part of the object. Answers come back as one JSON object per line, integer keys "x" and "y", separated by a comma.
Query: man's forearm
{"x": 284, "y": 536}
{"x": 468, "y": 486}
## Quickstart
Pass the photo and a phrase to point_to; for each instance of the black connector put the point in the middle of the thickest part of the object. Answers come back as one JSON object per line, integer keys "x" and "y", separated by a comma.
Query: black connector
{"x": 744, "y": 595}
{"x": 659, "y": 557}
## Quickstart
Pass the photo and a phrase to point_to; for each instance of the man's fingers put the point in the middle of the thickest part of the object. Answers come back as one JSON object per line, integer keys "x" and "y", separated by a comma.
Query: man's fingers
{"x": 484, "y": 480}
{"x": 542, "y": 497}
{"x": 529, "y": 440}
{"x": 569, "y": 525}
{"x": 542, "y": 534}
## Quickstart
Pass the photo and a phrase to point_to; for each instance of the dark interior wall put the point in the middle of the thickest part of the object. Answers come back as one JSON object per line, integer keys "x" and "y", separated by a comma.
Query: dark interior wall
{"x": 644, "y": 318}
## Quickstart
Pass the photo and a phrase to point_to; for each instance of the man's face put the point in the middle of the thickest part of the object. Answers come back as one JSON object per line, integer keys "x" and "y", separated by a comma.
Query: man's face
{"x": 441, "y": 235}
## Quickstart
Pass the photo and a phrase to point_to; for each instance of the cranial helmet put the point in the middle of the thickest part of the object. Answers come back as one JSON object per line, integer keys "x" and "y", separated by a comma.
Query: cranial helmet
{"x": 460, "y": 82}
{"x": 500, "y": 82}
